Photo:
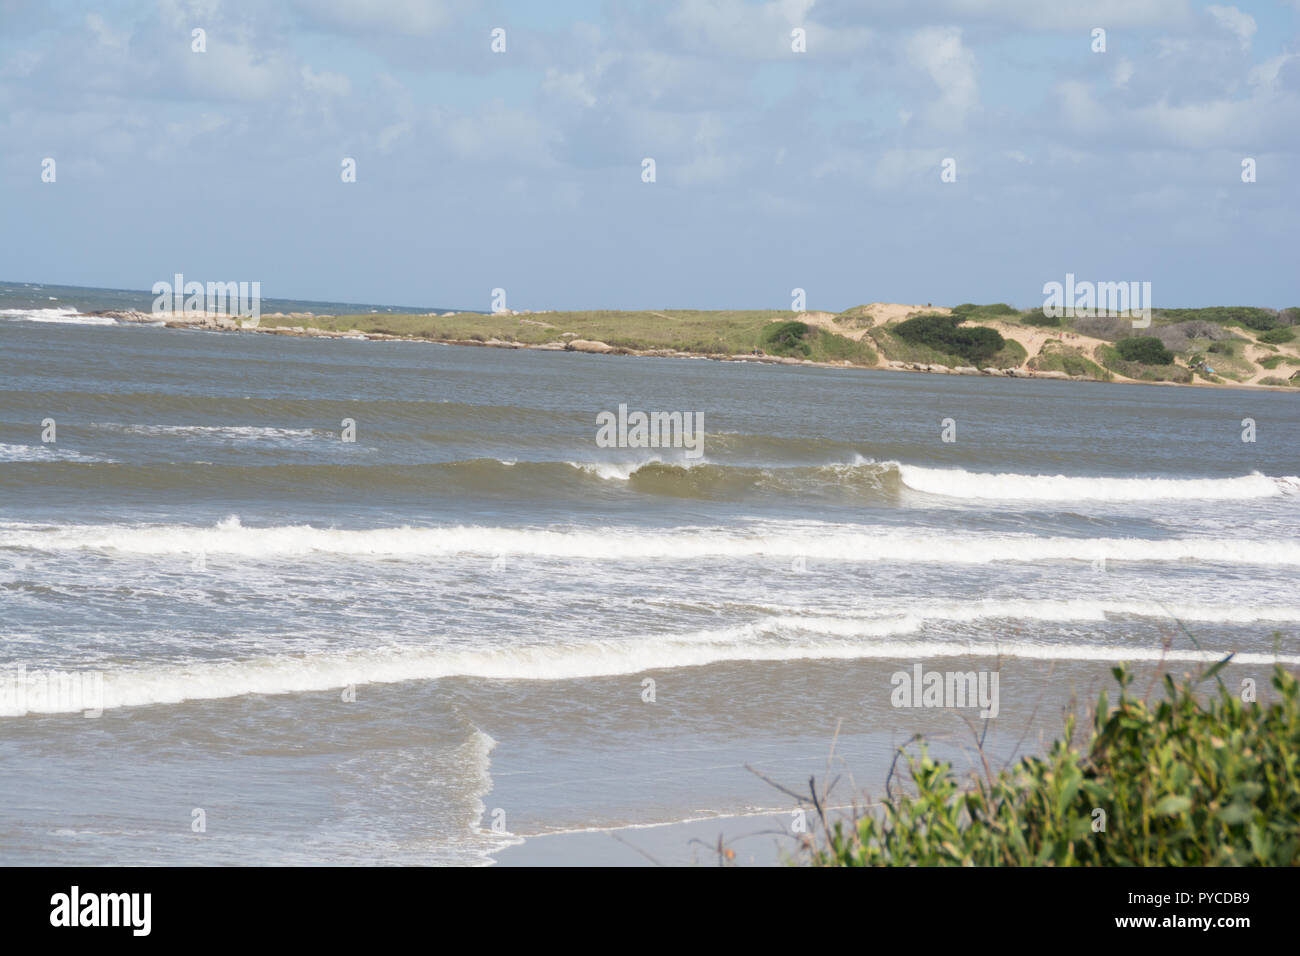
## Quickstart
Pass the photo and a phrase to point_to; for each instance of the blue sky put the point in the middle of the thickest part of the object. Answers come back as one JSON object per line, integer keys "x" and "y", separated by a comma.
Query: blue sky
{"x": 775, "y": 170}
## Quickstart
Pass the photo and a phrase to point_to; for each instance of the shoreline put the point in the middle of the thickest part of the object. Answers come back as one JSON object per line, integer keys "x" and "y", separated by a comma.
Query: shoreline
{"x": 211, "y": 322}
{"x": 756, "y": 838}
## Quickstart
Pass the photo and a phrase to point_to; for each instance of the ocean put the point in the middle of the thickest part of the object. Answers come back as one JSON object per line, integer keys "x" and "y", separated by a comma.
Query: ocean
{"x": 392, "y": 603}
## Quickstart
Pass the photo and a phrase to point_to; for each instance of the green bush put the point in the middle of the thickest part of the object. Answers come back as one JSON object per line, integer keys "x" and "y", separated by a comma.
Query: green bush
{"x": 976, "y": 345}
{"x": 1260, "y": 320}
{"x": 786, "y": 338}
{"x": 1277, "y": 336}
{"x": 1057, "y": 358}
{"x": 969, "y": 310}
{"x": 1179, "y": 783}
{"x": 1146, "y": 349}
{"x": 1041, "y": 318}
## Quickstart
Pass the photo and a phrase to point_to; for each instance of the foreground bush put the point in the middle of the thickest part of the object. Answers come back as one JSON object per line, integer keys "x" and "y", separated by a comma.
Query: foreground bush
{"x": 1146, "y": 349}
{"x": 1175, "y": 784}
{"x": 944, "y": 333}
{"x": 787, "y": 338}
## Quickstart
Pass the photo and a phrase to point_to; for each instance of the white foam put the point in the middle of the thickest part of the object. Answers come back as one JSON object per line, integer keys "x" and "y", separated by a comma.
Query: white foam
{"x": 623, "y": 471}
{"x": 824, "y": 542}
{"x": 1060, "y": 610}
{"x": 49, "y": 452}
{"x": 609, "y": 471}
{"x": 59, "y": 316}
{"x": 761, "y": 641}
{"x": 219, "y": 431}
{"x": 958, "y": 483}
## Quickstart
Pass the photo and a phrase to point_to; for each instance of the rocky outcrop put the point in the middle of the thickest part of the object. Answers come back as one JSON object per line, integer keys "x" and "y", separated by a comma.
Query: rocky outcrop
{"x": 587, "y": 345}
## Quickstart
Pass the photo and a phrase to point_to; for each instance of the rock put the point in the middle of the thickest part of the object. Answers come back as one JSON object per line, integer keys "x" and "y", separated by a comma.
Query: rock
{"x": 585, "y": 345}
{"x": 990, "y": 371}
{"x": 1051, "y": 374}
{"x": 966, "y": 370}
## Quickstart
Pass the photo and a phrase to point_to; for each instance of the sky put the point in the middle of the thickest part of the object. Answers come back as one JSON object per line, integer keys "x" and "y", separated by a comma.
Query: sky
{"x": 775, "y": 169}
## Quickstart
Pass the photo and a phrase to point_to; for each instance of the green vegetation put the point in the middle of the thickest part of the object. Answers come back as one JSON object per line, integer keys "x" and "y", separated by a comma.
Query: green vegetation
{"x": 859, "y": 317}
{"x": 1110, "y": 358}
{"x": 1260, "y": 320}
{"x": 969, "y": 310}
{"x": 928, "y": 338}
{"x": 943, "y": 333}
{"x": 686, "y": 330}
{"x": 1146, "y": 349}
{"x": 829, "y": 347}
{"x": 786, "y": 338}
{"x": 1178, "y": 783}
{"x": 1011, "y": 355}
{"x": 1040, "y": 318}
{"x": 1056, "y": 357}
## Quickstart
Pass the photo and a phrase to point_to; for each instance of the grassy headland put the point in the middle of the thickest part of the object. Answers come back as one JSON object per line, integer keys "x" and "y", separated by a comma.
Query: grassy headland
{"x": 1218, "y": 346}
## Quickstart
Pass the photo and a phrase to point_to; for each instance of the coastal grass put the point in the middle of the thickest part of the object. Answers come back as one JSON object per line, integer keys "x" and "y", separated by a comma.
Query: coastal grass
{"x": 1186, "y": 336}
{"x": 1260, "y": 320}
{"x": 1057, "y": 357}
{"x": 684, "y": 330}
{"x": 1110, "y": 358}
{"x": 1175, "y": 783}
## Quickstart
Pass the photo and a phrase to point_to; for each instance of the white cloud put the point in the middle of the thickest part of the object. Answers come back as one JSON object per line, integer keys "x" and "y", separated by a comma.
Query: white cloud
{"x": 330, "y": 84}
{"x": 760, "y": 31}
{"x": 1041, "y": 15}
{"x": 940, "y": 53}
{"x": 1241, "y": 25}
{"x": 1123, "y": 73}
{"x": 399, "y": 17}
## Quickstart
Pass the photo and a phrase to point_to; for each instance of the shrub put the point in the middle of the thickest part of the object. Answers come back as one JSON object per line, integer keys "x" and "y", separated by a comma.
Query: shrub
{"x": 1277, "y": 336}
{"x": 1180, "y": 784}
{"x": 784, "y": 338}
{"x": 1041, "y": 318}
{"x": 1146, "y": 349}
{"x": 969, "y": 310}
{"x": 1108, "y": 327}
{"x": 976, "y": 346}
{"x": 1258, "y": 319}
{"x": 1055, "y": 358}
{"x": 1011, "y": 355}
